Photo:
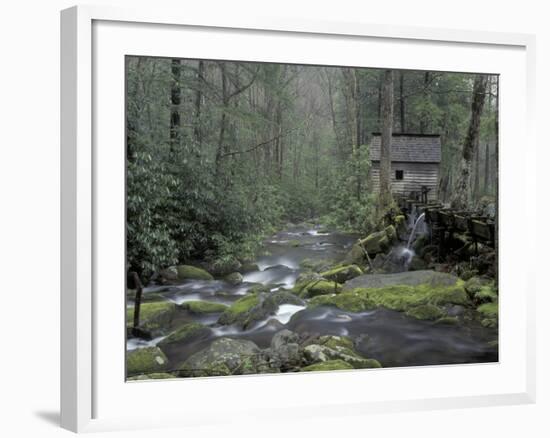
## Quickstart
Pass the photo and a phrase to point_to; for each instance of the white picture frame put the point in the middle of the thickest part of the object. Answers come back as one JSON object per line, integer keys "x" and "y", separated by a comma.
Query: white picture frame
{"x": 92, "y": 391}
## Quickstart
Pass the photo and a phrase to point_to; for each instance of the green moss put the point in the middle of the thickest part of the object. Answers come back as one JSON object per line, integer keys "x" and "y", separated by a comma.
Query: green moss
{"x": 187, "y": 272}
{"x": 314, "y": 265}
{"x": 336, "y": 341}
{"x": 145, "y": 361}
{"x": 201, "y": 307}
{"x": 234, "y": 278}
{"x": 489, "y": 314}
{"x": 354, "y": 301}
{"x": 294, "y": 243}
{"x": 320, "y": 287}
{"x": 368, "y": 363}
{"x": 401, "y": 298}
{"x": 391, "y": 233}
{"x": 376, "y": 243}
{"x": 447, "y": 320}
{"x": 153, "y": 316}
{"x": 343, "y": 273}
{"x": 329, "y": 365}
{"x": 488, "y": 310}
{"x": 239, "y": 309}
{"x": 425, "y": 311}
{"x": 486, "y": 294}
{"x": 184, "y": 334}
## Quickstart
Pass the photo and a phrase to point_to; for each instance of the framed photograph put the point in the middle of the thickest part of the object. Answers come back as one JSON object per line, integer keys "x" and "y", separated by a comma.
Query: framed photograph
{"x": 258, "y": 209}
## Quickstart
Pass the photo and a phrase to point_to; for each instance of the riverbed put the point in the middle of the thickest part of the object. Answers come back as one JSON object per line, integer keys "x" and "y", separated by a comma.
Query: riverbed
{"x": 392, "y": 338}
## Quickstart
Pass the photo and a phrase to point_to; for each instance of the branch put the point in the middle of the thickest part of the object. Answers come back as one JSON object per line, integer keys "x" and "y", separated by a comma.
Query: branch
{"x": 259, "y": 145}
{"x": 244, "y": 87}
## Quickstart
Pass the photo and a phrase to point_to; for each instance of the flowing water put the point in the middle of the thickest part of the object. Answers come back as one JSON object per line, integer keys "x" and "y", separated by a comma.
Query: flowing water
{"x": 388, "y": 336}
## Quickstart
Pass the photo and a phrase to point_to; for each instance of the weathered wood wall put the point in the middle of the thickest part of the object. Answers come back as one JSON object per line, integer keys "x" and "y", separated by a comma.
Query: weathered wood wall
{"x": 415, "y": 175}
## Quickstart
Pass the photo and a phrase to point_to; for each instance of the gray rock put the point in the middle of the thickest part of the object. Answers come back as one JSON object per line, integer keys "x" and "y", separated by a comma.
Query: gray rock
{"x": 413, "y": 278}
{"x": 224, "y": 356}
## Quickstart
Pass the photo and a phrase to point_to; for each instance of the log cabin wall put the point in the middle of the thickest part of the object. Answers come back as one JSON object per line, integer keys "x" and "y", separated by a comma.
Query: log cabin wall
{"x": 415, "y": 175}
{"x": 415, "y": 161}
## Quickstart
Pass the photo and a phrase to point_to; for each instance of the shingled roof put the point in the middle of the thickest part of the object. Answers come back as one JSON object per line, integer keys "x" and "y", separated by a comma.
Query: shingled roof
{"x": 419, "y": 148}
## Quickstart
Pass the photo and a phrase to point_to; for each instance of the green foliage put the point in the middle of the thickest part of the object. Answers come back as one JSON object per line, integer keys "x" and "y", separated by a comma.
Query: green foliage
{"x": 258, "y": 144}
{"x": 349, "y": 205}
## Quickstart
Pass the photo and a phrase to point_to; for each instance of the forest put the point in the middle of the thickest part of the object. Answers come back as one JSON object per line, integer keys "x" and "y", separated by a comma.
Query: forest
{"x": 259, "y": 192}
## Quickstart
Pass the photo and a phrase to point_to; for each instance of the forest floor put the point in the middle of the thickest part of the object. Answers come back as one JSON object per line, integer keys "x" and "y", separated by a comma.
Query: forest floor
{"x": 304, "y": 305}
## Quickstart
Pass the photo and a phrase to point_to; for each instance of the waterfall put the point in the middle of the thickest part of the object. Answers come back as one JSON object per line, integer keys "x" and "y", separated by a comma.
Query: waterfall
{"x": 413, "y": 232}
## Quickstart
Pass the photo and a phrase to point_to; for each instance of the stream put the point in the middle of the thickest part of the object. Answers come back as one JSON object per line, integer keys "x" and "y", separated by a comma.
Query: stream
{"x": 391, "y": 337}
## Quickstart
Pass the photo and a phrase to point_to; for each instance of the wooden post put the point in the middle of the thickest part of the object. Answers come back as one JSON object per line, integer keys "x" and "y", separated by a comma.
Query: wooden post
{"x": 139, "y": 293}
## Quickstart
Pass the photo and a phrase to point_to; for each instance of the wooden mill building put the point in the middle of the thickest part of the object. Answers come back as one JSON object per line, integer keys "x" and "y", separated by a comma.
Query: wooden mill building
{"x": 415, "y": 161}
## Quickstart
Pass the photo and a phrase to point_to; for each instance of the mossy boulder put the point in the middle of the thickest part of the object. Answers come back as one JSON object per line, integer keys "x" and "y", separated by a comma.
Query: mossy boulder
{"x": 343, "y": 273}
{"x": 401, "y": 227}
{"x": 400, "y": 297}
{"x": 488, "y": 313}
{"x": 145, "y": 361}
{"x": 155, "y": 318}
{"x": 379, "y": 241}
{"x": 350, "y": 301}
{"x": 329, "y": 365}
{"x": 257, "y": 306}
{"x": 315, "y": 265}
{"x": 328, "y": 348}
{"x": 425, "y": 311}
{"x": 202, "y": 307}
{"x": 274, "y": 299}
{"x": 240, "y": 310}
{"x": 414, "y": 278}
{"x": 246, "y": 268}
{"x": 234, "y": 278}
{"x": 285, "y": 351}
{"x": 225, "y": 356}
{"x": 186, "y": 333}
{"x": 475, "y": 284}
{"x": 318, "y": 287}
{"x": 188, "y": 272}
{"x": 356, "y": 255}
{"x": 487, "y": 294}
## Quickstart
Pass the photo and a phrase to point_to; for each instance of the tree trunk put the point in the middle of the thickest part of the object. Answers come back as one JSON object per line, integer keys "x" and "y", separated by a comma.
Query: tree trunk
{"x": 198, "y": 103}
{"x": 402, "y": 102}
{"x": 175, "y": 98}
{"x": 333, "y": 117}
{"x": 477, "y": 166}
{"x": 385, "y": 200}
{"x": 462, "y": 198}
{"x": 486, "y": 190}
{"x": 223, "y": 120}
{"x": 423, "y": 121}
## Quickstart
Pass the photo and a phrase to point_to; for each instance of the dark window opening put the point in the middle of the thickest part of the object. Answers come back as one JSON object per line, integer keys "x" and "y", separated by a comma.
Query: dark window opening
{"x": 398, "y": 174}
